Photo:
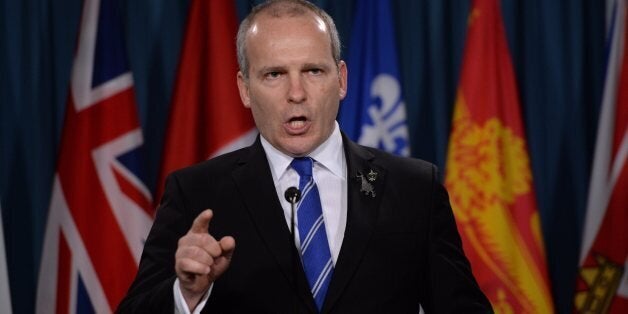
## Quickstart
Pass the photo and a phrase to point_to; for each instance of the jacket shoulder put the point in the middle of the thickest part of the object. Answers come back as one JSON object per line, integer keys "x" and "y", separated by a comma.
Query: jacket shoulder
{"x": 404, "y": 166}
{"x": 215, "y": 167}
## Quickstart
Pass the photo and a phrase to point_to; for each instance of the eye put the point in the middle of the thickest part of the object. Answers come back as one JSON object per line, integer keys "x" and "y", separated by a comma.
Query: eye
{"x": 315, "y": 71}
{"x": 272, "y": 75}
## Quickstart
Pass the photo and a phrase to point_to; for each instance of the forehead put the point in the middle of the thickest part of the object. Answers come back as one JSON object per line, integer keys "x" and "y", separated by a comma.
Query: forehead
{"x": 266, "y": 21}
{"x": 288, "y": 32}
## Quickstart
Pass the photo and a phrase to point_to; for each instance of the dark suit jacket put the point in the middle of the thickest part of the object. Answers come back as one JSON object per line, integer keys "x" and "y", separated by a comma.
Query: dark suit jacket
{"x": 400, "y": 248}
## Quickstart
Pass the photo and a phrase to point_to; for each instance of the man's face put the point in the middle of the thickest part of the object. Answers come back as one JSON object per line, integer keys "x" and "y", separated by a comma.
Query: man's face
{"x": 294, "y": 86}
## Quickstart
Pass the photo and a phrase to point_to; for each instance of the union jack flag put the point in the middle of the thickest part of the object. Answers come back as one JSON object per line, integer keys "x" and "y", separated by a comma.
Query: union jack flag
{"x": 100, "y": 210}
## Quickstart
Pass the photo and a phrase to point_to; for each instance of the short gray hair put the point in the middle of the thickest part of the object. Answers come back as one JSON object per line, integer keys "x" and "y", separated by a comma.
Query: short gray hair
{"x": 280, "y": 8}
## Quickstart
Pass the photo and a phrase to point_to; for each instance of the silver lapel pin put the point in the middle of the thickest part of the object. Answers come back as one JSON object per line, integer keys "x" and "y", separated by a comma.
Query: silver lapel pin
{"x": 372, "y": 176}
{"x": 366, "y": 186}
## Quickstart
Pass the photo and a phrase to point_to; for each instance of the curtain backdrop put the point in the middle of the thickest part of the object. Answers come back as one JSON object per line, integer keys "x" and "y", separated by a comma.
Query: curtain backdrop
{"x": 557, "y": 49}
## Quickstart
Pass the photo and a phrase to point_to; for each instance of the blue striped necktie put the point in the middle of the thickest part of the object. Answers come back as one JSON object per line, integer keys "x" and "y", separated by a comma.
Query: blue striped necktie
{"x": 315, "y": 252}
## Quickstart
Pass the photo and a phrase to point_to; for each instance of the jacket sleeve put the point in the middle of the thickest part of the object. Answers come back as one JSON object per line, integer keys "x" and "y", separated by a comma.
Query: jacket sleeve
{"x": 152, "y": 289}
{"x": 452, "y": 287}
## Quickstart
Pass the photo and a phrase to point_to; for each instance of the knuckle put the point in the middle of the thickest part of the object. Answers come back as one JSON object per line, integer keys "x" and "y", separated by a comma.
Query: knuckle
{"x": 206, "y": 238}
{"x": 214, "y": 249}
{"x": 182, "y": 265}
{"x": 183, "y": 240}
{"x": 195, "y": 251}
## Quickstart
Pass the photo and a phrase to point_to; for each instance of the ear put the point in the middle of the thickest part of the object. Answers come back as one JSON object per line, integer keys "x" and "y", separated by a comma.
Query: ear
{"x": 342, "y": 77}
{"x": 243, "y": 88}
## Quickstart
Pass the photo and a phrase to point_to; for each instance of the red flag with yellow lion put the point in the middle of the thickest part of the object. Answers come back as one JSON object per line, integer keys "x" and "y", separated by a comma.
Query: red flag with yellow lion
{"x": 489, "y": 175}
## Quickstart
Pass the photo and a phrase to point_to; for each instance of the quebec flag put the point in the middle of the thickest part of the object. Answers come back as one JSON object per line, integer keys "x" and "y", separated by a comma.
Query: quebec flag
{"x": 374, "y": 113}
{"x": 100, "y": 209}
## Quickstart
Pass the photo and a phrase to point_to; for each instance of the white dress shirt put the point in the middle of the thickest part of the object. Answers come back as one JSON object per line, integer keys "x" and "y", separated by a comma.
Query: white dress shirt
{"x": 330, "y": 173}
{"x": 330, "y": 168}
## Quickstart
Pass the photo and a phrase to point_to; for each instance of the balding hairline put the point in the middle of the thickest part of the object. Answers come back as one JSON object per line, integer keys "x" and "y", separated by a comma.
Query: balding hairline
{"x": 280, "y": 9}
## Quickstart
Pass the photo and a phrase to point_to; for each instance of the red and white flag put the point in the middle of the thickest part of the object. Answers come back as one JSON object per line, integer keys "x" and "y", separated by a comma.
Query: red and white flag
{"x": 207, "y": 117}
{"x": 100, "y": 210}
{"x": 602, "y": 285}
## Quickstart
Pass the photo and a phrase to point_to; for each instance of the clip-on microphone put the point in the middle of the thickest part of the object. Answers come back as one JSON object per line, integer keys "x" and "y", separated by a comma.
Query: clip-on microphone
{"x": 293, "y": 196}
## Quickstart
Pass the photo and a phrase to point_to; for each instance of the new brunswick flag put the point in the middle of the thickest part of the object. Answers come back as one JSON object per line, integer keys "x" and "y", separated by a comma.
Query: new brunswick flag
{"x": 489, "y": 176}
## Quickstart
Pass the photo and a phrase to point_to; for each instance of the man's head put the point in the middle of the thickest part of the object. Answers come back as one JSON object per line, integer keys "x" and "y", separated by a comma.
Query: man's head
{"x": 279, "y": 8}
{"x": 290, "y": 74}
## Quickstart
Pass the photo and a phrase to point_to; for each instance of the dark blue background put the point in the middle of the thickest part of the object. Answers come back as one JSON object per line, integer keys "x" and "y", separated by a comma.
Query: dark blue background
{"x": 557, "y": 49}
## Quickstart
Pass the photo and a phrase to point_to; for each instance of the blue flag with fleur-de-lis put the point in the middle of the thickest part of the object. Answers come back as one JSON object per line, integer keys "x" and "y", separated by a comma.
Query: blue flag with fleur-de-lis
{"x": 374, "y": 113}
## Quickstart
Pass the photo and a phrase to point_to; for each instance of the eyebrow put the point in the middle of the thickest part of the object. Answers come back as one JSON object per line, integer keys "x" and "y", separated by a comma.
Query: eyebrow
{"x": 280, "y": 68}
{"x": 274, "y": 68}
{"x": 323, "y": 66}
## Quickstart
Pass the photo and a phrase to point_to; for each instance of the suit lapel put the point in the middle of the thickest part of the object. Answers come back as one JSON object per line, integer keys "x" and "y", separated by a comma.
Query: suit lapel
{"x": 362, "y": 209}
{"x": 256, "y": 187}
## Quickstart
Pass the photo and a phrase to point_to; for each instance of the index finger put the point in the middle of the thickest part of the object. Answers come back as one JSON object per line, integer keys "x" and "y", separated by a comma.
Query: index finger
{"x": 201, "y": 222}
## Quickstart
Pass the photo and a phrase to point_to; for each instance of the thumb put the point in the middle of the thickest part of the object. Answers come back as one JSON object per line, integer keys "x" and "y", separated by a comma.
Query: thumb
{"x": 227, "y": 244}
{"x": 201, "y": 222}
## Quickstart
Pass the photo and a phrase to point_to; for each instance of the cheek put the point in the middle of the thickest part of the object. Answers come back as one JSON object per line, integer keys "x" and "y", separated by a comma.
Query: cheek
{"x": 332, "y": 104}
{"x": 266, "y": 100}
{"x": 264, "y": 113}
{"x": 259, "y": 114}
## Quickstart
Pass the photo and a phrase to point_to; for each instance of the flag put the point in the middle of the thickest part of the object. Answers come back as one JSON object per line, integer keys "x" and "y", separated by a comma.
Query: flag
{"x": 602, "y": 284}
{"x": 100, "y": 210}
{"x": 374, "y": 112}
{"x": 206, "y": 117}
{"x": 488, "y": 173}
{"x": 5, "y": 295}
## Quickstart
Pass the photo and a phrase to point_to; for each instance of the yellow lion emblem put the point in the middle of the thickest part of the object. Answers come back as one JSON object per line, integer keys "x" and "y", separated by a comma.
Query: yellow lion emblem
{"x": 487, "y": 169}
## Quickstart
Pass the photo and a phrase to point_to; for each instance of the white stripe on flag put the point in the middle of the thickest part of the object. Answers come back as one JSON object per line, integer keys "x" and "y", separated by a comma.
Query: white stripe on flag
{"x": 59, "y": 222}
{"x": 5, "y": 295}
{"x": 243, "y": 140}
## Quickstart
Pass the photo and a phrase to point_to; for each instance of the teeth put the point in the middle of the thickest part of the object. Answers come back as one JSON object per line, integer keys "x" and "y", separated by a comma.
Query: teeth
{"x": 297, "y": 123}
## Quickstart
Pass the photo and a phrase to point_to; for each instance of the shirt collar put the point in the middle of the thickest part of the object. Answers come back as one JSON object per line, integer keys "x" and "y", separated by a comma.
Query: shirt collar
{"x": 329, "y": 154}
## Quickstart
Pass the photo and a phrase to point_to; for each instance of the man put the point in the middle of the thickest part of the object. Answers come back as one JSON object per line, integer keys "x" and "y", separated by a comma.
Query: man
{"x": 386, "y": 243}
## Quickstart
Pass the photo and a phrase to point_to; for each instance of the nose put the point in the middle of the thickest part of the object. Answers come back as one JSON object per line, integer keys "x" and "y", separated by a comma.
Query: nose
{"x": 296, "y": 92}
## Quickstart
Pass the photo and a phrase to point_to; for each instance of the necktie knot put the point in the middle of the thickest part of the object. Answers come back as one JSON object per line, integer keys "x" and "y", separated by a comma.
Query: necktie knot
{"x": 303, "y": 166}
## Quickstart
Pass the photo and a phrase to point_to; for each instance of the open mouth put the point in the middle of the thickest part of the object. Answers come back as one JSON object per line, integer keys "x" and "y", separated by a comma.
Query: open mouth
{"x": 297, "y": 122}
{"x": 297, "y": 125}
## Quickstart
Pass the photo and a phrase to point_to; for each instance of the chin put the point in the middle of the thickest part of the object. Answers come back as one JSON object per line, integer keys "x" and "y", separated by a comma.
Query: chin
{"x": 295, "y": 145}
{"x": 298, "y": 150}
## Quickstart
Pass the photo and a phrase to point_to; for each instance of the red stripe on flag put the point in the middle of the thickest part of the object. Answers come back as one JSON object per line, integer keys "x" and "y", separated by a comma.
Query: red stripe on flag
{"x": 133, "y": 193}
{"x": 603, "y": 267}
{"x": 63, "y": 276}
{"x": 612, "y": 238}
{"x": 206, "y": 112}
{"x": 100, "y": 123}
